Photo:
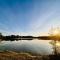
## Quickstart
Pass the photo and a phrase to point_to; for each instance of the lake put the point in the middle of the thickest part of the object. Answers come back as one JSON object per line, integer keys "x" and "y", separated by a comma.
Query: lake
{"x": 34, "y": 46}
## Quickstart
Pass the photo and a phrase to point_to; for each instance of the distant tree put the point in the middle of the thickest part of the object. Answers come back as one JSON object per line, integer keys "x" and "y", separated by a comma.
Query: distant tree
{"x": 0, "y": 35}
{"x": 13, "y": 36}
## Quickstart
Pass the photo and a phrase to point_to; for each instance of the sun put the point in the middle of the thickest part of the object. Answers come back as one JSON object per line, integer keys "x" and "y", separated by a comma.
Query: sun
{"x": 55, "y": 32}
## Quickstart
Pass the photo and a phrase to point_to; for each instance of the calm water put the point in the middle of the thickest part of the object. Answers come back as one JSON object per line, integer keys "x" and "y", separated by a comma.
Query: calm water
{"x": 35, "y": 46}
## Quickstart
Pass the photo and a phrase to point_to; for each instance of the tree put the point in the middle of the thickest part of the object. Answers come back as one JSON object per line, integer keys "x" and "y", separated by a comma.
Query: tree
{"x": 0, "y": 35}
{"x": 55, "y": 33}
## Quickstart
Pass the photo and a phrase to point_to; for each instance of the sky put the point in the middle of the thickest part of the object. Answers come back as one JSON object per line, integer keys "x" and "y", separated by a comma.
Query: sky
{"x": 29, "y": 17}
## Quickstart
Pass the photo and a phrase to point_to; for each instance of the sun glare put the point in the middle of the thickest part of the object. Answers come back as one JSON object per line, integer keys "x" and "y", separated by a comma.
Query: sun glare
{"x": 55, "y": 32}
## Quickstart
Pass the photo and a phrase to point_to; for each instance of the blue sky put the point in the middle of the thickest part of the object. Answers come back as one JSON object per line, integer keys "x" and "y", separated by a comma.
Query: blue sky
{"x": 29, "y": 16}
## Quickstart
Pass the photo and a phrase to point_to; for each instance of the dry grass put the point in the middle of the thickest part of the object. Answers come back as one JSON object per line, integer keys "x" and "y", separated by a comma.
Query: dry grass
{"x": 9, "y": 55}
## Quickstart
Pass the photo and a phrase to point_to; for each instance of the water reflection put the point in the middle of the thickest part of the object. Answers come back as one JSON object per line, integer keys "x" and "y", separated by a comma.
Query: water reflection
{"x": 35, "y": 46}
